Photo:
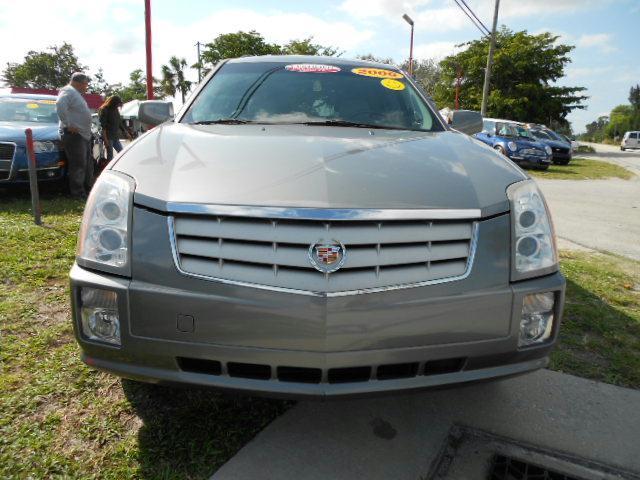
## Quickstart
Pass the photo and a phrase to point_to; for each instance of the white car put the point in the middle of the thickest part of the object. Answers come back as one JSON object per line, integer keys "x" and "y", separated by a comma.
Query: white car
{"x": 630, "y": 140}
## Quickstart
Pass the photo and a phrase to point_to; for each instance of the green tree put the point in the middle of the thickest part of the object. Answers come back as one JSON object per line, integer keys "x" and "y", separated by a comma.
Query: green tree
{"x": 173, "y": 79}
{"x": 49, "y": 69}
{"x": 307, "y": 47}
{"x": 370, "y": 57}
{"x": 136, "y": 89}
{"x": 100, "y": 85}
{"x": 634, "y": 96}
{"x": 620, "y": 121}
{"x": 523, "y": 79}
{"x": 233, "y": 45}
{"x": 426, "y": 72}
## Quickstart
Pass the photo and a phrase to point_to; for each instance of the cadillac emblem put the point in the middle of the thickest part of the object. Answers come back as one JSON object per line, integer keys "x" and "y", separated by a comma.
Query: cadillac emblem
{"x": 327, "y": 257}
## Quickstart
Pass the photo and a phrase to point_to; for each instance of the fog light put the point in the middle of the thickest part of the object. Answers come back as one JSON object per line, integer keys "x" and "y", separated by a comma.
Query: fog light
{"x": 537, "y": 318}
{"x": 99, "y": 311}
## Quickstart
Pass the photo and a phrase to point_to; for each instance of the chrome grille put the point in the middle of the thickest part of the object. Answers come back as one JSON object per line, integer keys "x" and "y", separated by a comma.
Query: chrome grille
{"x": 274, "y": 253}
{"x": 532, "y": 151}
{"x": 7, "y": 150}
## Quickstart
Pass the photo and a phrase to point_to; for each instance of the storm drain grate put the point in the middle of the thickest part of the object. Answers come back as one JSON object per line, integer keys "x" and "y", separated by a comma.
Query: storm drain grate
{"x": 506, "y": 468}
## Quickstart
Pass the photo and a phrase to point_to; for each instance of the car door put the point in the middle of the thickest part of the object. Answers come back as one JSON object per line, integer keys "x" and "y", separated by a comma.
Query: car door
{"x": 487, "y": 135}
{"x": 634, "y": 140}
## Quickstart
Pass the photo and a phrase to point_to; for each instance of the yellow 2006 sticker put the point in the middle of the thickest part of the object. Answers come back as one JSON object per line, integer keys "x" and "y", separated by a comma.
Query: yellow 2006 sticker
{"x": 392, "y": 84}
{"x": 33, "y": 105}
{"x": 377, "y": 73}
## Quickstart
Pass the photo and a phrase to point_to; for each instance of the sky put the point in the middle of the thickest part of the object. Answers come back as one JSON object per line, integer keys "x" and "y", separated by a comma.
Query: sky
{"x": 110, "y": 33}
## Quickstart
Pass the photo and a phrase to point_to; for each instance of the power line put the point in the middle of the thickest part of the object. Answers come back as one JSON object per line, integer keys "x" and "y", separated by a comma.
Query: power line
{"x": 482, "y": 30}
{"x": 475, "y": 16}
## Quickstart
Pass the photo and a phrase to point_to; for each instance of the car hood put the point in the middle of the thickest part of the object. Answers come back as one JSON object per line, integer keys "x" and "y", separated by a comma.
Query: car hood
{"x": 318, "y": 167}
{"x": 14, "y": 131}
{"x": 524, "y": 143}
{"x": 555, "y": 143}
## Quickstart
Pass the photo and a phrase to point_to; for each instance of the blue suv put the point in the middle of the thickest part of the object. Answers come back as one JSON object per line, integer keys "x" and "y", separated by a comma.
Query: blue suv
{"x": 515, "y": 142}
{"x": 37, "y": 112}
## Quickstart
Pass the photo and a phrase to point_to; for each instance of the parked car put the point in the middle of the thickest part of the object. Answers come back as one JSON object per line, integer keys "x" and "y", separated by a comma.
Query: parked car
{"x": 130, "y": 115}
{"x": 309, "y": 226}
{"x": 37, "y": 112}
{"x": 560, "y": 147}
{"x": 514, "y": 141}
{"x": 574, "y": 144}
{"x": 630, "y": 140}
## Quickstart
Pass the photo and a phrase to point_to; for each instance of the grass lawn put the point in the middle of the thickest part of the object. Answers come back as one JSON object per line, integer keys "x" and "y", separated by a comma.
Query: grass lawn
{"x": 600, "y": 333}
{"x": 61, "y": 419}
{"x": 582, "y": 169}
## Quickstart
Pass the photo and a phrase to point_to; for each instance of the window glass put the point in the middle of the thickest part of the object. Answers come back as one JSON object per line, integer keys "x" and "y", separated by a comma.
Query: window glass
{"x": 27, "y": 110}
{"x": 274, "y": 92}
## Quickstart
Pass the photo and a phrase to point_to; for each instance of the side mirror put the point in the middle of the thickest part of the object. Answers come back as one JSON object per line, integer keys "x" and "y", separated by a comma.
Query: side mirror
{"x": 155, "y": 113}
{"x": 466, "y": 121}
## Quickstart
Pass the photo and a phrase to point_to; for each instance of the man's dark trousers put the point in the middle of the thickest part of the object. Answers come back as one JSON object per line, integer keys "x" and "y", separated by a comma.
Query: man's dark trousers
{"x": 79, "y": 163}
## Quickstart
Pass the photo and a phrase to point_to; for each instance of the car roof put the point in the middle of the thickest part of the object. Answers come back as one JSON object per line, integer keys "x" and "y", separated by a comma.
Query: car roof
{"x": 29, "y": 96}
{"x": 318, "y": 59}
{"x": 503, "y": 120}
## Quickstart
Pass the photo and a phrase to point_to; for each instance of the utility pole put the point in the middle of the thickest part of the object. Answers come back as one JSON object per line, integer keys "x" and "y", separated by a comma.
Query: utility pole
{"x": 487, "y": 72}
{"x": 458, "y": 80}
{"x": 147, "y": 24}
{"x": 199, "y": 65}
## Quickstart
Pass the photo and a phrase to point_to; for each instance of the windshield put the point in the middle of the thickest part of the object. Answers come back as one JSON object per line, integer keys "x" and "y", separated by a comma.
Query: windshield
{"x": 555, "y": 136}
{"x": 275, "y": 92}
{"x": 28, "y": 110}
{"x": 506, "y": 130}
{"x": 523, "y": 132}
{"x": 541, "y": 134}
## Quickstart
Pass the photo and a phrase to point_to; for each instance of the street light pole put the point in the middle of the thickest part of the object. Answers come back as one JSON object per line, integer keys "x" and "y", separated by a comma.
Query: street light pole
{"x": 147, "y": 24}
{"x": 408, "y": 19}
{"x": 487, "y": 72}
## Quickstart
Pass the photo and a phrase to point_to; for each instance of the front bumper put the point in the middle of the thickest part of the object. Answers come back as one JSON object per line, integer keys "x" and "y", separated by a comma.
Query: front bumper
{"x": 50, "y": 166}
{"x": 562, "y": 156}
{"x": 316, "y": 371}
{"x": 533, "y": 160}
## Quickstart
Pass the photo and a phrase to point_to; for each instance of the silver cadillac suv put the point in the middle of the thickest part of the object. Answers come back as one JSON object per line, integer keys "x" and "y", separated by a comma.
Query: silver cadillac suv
{"x": 309, "y": 226}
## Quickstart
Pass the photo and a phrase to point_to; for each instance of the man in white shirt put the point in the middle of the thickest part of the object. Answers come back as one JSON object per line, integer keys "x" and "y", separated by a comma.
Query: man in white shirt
{"x": 75, "y": 131}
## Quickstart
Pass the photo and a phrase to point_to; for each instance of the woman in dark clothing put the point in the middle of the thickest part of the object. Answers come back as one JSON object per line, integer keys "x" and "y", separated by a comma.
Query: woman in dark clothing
{"x": 111, "y": 122}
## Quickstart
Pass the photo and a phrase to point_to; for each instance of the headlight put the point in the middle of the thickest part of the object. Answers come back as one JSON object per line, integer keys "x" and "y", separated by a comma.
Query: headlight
{"x": 547, "y": 149}
{"x": 103, "y": 241}
{"x": 512, "y": 146}
{"x": 533, "y": 238}
{"x": 46, "y": 146}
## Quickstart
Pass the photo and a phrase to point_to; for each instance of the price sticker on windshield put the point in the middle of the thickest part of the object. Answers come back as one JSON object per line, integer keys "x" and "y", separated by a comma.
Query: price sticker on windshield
{"x": 377, "y": 73}
{"x": 312, "y": 68}
{"x": 392, "y": 84}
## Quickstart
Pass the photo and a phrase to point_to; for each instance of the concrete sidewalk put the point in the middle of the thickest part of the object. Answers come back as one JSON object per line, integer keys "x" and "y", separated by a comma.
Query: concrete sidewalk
{"x": 404, "y": 437}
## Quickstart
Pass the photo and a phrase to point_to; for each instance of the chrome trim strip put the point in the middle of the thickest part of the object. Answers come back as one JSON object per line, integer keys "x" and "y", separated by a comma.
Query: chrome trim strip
{"x": 328, "y": 214}
{"x": 467, "y": 272}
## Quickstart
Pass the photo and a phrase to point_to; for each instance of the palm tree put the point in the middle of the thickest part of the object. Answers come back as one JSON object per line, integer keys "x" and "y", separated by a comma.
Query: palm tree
{"x": 173, "y": 77}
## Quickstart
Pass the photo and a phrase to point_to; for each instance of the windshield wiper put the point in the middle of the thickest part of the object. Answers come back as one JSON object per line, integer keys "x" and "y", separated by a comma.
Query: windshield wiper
{"x": 344, "y": 123}
{"x": 223, "y": 121}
